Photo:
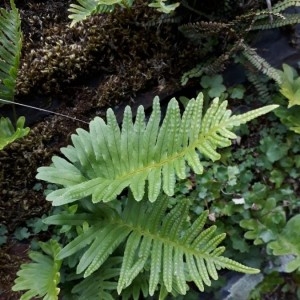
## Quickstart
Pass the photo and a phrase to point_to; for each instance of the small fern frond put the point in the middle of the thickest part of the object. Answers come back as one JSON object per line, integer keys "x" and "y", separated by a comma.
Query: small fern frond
{"x": 41, "y": 277}
{"x": 261, "y": 64}
{"x": 193, "y": 73}
{"x": 10, "y": 51}
{"x": 283, "y": 20}
{"x": 157, "y": 242}
{"x": 108, "y": 159}
{"x": 282, "y": 5}
{"x": 259, "y": 84}
{"x": 9, "y": 134}
{"x": 86, "y": 8}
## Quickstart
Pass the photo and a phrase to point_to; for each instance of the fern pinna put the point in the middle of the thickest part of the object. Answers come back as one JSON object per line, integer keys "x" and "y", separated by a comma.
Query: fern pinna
{"x": 108, "y": 159}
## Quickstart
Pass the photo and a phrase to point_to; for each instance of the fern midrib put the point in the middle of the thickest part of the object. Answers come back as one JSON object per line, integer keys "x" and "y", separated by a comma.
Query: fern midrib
{"x": 156, "y": 236}
{"x": 202, "y": 137}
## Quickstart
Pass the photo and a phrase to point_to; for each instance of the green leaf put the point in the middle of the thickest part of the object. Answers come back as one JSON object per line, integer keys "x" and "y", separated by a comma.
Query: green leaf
{"x": 22, "y": 233}
{"x": 8, "y": 134}
{"x": 161, "y": 6}
{"x": 288, "y": 241}
{"x": 290, "y": 86}
{"x": 274, "y": 150}
{"x": 107, "y": 159}
{"x": 214, "y": 84}
{"x": 86, "y": 8}
{"x": 41, "y": 277}
{"x": 237, "y": 92}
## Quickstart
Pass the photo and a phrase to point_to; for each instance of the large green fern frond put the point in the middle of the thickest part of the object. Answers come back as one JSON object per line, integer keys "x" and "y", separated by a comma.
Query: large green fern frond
{"x": 156, "y": 240}
{"x": 10, "y": 50}
{"x": 106, "y": 160}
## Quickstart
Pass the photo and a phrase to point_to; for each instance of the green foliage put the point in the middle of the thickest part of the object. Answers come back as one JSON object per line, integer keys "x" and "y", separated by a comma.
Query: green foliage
{"x": 136, "y": 246}
{"x": 154, "y": 240}
{"x": 260, "y": 63}
{"x": 100, "y": 284}
{"x": 7, "y": 132}
{"x": 290, "y": 117}
{"x": 86, "y": 8}
{"x": 288, "y": 242}
{"x": 41, "y": 277}
{"x": 161, "y": 6}
{"x": 108, "y": 159}
{"x": 10, "y": 50}
{"x": 290, "y": 85}
{"x": 214, "y": 84}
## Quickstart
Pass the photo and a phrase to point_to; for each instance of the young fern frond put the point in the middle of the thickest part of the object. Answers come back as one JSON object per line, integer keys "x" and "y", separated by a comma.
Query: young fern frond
{"x": 106, "y": 160}
{"x": 41, "y": 278}
{"x": 261, "y": 64}
{"x": 8, "y": 133}
{"x": 10, "y": 51}
{"x": 193, "y": 73}
{"x": 155, "y": 240}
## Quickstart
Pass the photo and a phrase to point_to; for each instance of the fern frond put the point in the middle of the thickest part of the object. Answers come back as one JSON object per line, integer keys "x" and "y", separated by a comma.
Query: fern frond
{"x": 108, "y": 159}
{"x": 261, "y": 64}
{"x": 283, "y": 20}
{"x": 86, "y": 8}
{"x": 10, "y": 51}
{"x": 259, "y": 84}
{"x": 282, "y": 5}
{"x": 192, "y": 30}
{"x": 41, "y": 277}
{"x": 193, "y": 73}
{"x": 155, "y": 240}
